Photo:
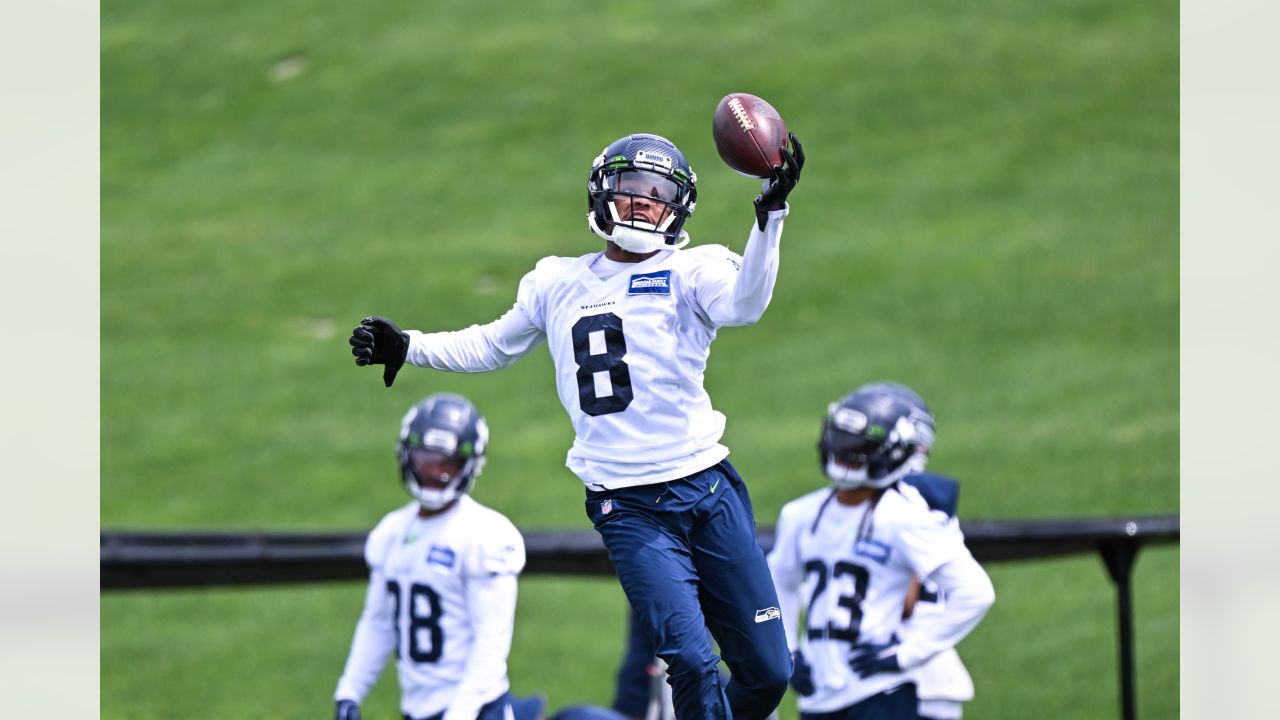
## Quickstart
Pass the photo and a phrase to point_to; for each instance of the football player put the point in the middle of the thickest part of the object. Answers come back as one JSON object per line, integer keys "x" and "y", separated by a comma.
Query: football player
{"x": 629, "y": 330}
{"x": 849, "y": 554}
{"x": 442, "y": 579}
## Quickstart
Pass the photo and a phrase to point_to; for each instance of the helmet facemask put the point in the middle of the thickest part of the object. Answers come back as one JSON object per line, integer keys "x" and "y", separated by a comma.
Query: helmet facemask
{"x": 639, "y": 199}
{"x": 855, "y": 454}
{"x": 435, "y": 478}
{"x": 440, "y": 459}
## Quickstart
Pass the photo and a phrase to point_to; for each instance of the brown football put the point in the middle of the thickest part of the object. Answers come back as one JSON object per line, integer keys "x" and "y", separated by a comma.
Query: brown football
{"x": 749, "y": 134}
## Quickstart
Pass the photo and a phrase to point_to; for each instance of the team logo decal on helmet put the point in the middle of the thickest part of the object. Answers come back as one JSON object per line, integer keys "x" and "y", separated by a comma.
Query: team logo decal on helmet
{"x": 640, "y": 192}
{"x": 875, "y": 435}
{"x": 441, "y": 449}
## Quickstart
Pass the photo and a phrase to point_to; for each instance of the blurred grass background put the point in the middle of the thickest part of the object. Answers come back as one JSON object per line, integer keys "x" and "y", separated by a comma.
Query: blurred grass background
{"x": 989, "y": 214}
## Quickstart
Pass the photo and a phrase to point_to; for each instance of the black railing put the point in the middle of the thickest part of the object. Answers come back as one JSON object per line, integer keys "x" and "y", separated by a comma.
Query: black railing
{"x": 132, "y": 560}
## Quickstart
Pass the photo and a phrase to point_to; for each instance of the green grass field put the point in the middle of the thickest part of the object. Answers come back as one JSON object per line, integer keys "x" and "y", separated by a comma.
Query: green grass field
{"x": 989, "y": 214}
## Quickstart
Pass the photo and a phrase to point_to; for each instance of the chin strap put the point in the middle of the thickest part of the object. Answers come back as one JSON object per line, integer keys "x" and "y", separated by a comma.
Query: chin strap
{"x": 846, "y": 478}
{"x": 634, "y": 240}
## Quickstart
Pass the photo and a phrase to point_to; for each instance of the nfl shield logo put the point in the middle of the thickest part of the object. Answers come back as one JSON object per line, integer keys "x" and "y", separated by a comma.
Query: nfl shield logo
{"x": 606, "y": 507}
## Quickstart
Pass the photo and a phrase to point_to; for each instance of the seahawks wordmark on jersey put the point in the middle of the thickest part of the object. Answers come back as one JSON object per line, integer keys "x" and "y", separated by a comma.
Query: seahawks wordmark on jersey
{"x": 629, "y": 350}
{"x": 421, "y": 606}
{"x": 852, "y": 588}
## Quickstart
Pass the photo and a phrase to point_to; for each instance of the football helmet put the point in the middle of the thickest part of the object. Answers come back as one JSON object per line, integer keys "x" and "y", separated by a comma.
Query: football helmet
{"x": 875, "y": 436}
{"x": 921, "y": 457}
{"x": 640, "y": 192}
{"x": 441, "y": 449}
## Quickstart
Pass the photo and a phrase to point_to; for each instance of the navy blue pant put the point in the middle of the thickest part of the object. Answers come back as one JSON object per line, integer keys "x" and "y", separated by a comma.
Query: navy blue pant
{"x": 688, "y": 559}
{"x": 898, "y": 703}
{"x": 495, "y": 710}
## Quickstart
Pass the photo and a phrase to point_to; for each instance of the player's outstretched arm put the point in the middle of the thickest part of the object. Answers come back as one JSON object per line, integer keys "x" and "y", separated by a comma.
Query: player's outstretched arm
{"x": 377, "y": 341}
{"x": 479, "y": 348}
{"x": 778, "y": 186}
{"x": 737, "y": 293}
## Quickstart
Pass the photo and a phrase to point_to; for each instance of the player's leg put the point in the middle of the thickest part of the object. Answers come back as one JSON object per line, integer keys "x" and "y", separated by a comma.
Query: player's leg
{"x": 656, "y": 571}
{"x": 738, "y": 597}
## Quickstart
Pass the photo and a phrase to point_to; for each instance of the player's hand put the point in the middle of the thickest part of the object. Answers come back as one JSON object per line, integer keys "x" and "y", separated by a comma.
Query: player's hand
{"x": 773, "y": 196}
{"x": 346, "y": 710}
{"x": 801, "y": 675}
{"x": 873, "y": 658}
{"x": 377, "y": 341}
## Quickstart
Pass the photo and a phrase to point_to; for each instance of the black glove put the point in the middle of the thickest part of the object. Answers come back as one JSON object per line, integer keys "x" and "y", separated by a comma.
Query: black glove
{"x": 377, "y": 341}
{"x": 781, "y": 182}
{"x": 801, "y": 675}
{"x": 346, "y": 710}
{"x": 873, "y": 658}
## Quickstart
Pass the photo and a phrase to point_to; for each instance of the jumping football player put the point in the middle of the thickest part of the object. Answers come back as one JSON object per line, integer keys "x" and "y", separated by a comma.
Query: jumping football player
{"x": 442, "y": 579}
{"x": 629, "y": 330}
{"x": 849, "y": 554}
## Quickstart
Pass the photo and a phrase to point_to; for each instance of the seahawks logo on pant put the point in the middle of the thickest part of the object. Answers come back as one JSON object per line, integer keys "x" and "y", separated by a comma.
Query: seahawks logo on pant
{"x": 769, "y": 613}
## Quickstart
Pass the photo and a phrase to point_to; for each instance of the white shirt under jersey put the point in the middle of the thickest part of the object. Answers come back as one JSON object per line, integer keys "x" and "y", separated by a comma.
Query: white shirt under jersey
{"x": 629, "y": 350}
{"x": 854, "y": 591}
{"x": 442, "y": 596}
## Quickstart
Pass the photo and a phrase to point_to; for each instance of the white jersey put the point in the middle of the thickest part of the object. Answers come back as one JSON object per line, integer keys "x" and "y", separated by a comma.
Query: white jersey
{"x": 441, "y": 596}
{"x": 853, "y": 590}
{"x": 629, "y": 350}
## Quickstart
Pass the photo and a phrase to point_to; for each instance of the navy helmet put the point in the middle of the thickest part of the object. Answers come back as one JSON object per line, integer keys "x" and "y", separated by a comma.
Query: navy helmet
{"x": 640, "y": 192}
{"x": 875, "y": 435}
{"x": 441, "y": 449}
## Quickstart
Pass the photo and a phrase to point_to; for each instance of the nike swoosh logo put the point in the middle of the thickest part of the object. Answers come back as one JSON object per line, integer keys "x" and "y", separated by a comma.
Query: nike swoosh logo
{"x": 715, "y": 485}
{"x": 410, "y": 538}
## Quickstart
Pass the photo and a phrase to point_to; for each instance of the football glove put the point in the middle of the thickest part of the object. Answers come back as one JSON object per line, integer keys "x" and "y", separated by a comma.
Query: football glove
{"x": 773, "y": 196}
{"x": 346, "y": 710}
{"x": 869, "y": 659}
{"x": 377, "y": 341}
{"x": 801, "y": 675}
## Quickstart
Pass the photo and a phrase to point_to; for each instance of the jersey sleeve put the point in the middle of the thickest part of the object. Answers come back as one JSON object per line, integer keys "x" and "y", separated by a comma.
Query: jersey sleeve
{"x": 499, "y": 551}
{"x": 374, "y": 636}
{"x": 968, "y": 595}
{"x": 491, "y": 567}
{"x": 733, "y": 290}
{"x": 481, "y": 348}
{"x": 787, "y": 569}
{"x": 928, "y": 539}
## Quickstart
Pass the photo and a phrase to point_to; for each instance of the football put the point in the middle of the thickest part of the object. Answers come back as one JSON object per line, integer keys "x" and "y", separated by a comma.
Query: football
{"x": 749, "y": 134}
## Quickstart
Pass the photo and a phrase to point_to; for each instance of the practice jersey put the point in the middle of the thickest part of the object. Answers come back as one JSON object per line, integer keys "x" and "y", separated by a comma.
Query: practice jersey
{"x": 850, "y": 573}
{"x": 426, "y": 578}
{"x": 629, "y": 351}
